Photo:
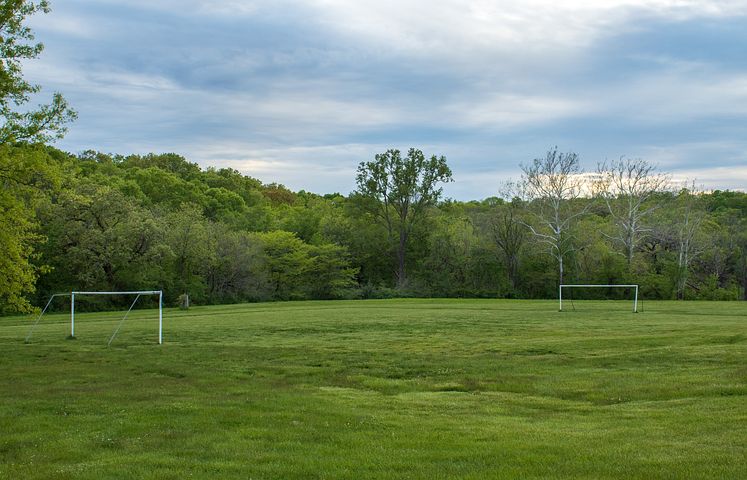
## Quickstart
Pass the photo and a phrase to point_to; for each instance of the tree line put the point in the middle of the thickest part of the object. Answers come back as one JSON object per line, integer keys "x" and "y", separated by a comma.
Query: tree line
{"x": 111, "y": 222}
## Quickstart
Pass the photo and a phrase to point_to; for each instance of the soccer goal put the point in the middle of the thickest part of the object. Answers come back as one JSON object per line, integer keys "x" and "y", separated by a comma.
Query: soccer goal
{"x": 635, "y": 298}
{"x": 137, "y": 293}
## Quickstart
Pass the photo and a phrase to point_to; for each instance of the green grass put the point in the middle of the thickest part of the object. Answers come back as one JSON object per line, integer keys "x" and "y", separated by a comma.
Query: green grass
{"x": 380, "y": 389}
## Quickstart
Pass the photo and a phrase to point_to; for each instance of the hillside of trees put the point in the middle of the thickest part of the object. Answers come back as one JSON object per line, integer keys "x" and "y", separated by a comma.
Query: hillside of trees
{"x": 107, "y": 222}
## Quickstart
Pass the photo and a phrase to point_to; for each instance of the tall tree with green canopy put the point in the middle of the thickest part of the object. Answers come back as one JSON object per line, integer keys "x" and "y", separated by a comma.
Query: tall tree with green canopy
{"x": 23, "y": 169}
{"x": 24, "y": 172}
{"x": 398, "y": 191}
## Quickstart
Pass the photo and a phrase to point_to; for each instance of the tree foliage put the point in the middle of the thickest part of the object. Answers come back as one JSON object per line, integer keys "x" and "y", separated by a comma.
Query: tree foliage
{"x": 99, "y": 221}
{"x": 24, "y": 174}
{"x": 47, "y": 122}
{"x": 398, "y": 191}
{"x": 159, "y": 221}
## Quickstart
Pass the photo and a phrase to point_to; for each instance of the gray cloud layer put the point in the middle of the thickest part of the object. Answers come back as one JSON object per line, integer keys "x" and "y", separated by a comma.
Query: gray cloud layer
{"x": 299, "y": 92}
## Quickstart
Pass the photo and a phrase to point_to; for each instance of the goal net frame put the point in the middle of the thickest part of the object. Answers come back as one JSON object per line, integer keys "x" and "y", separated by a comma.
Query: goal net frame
{"x": 562, "y": 286}
{"x": 135, "y": 292}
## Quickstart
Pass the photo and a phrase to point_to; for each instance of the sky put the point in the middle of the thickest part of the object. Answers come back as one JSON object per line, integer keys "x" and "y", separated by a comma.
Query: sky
{"x": 299, "y": 92}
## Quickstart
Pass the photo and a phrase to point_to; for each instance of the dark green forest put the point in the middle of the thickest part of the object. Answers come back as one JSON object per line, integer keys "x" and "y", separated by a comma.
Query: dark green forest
{"x": 97, "y": 221}
{"x": 109, "y": 222}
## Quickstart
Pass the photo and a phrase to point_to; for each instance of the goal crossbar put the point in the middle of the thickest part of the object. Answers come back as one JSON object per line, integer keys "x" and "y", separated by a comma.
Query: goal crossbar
{"x": 635, "y": 300}
{"x": 135, "y": 292}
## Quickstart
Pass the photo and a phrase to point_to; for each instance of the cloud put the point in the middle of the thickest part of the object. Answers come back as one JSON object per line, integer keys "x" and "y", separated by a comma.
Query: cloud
{"x": 299, "y": 92}
{"x": 454, "y": 25}
{"x": 718, "y": 178}
{"x": 314, "y": 168}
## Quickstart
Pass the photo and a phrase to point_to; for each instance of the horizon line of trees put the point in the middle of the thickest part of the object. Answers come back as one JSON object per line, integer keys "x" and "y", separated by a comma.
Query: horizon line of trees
{"x": 113, "y": 222}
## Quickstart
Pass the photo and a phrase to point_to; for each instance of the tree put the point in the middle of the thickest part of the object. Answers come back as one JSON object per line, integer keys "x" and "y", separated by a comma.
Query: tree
{"x": 508, "y": 232}
{"x": 330, "y": 274}
{"x": 238, "y": 270}
{"x": 288, "y": 265}
{"x": 16, "y": 46}
{"x": 628, "y": 188}
{"x": 398, "y": 191}
{"x": 99, "y": 238}
{"x": 688, "y": 234}
{"x": 24, "y": 173}
{"x": 553, "y": 185}
{"x": 447, "y": 269}
{"x": 730, "y": 211}
{"x": 349, "y": 225}
{"x": 192, "y": 246}
{"x": 22, "y": 170}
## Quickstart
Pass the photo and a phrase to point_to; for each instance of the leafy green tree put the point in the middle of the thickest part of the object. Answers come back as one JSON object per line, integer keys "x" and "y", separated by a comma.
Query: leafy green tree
{"x": 101, "y": 239}
{"x": 254, "y": 215}
{"x": 238, "y": 271}
{"x": 304, "y": 217}
{"x": 25, "y": 172}
{"x": 17, "y": 47}
{"x": 729, "y": 210}
{"x": 509, "y": 235}
{"x": 224, "y": 205}
{"x": 398, "y": 192}
{"x": 297, "y": 270}
{"x": 447, "y": 267}
{"x": 330, "y": 275}
{"x": 22, "y": 170}
{"x": 168, "y": 162}
{"x": 288, "y": 264}
{"x": 167, "y": 188}
{"x": 192, "y": 249}
{"x": 348, "y": 226}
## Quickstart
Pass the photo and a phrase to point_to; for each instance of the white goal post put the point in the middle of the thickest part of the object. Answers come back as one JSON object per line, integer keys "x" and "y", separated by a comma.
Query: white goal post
{"x": 138, "y": 293}
{"x": 635, "y": 300}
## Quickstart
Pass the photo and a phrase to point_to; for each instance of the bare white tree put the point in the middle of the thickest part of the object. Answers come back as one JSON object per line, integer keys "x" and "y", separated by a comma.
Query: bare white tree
{"x": 628, "y": 188}
{"x": 552, "y": 185}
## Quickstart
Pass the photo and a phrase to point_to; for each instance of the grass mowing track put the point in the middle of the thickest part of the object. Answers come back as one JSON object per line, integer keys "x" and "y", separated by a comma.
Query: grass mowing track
{"x": 380, "y": 389}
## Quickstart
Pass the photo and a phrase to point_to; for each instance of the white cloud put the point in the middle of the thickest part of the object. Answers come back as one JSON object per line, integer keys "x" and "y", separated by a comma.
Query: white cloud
{"x": 420, "y": 26}
{"x": 498, "y": 111}
{"x": 322, "y": 168}
{"x": 716, "y": 178}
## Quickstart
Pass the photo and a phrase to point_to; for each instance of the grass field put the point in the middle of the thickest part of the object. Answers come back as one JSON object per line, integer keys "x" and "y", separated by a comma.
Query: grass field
{"x": 380, "y": 389}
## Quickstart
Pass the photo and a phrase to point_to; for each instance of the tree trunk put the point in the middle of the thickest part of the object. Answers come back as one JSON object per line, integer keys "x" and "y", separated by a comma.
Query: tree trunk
{"x": 681, "y": 282}
{"x": 513, "y": 272}
{"x": 560, "y": 262}
{"x": 630, "y": 247}
{"x": 401, "y": 278}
